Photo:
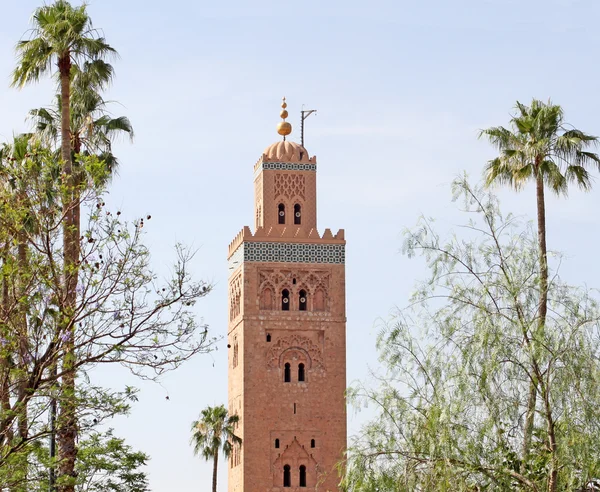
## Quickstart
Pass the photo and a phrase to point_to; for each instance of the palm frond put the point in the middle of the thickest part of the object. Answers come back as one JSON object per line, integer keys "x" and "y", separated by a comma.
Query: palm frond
{"x": 587, "y": 159}
{"x": 499, "y": 137}
{"x": 553, "y": 177}
{"x": 580, "y": 176}
{"x": 35, "y": 56}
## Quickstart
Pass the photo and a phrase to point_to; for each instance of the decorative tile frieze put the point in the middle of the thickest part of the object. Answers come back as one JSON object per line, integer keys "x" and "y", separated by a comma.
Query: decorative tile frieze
{"x": 255, "y": 251}
{"x": 288, "y": 166}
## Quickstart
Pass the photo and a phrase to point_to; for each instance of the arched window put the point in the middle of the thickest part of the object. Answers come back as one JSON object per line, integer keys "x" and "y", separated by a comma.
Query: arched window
{"x": 319, "y": 300}
{"x": 301, "y": 372}
{"x": 287, "y": 373}
{"x": 268, "y": 337}
{"x": 287, "y": 476}
{"x": 302, "y": 476}
{"x": 297, "y": 214}
{"x": 285, "y": 300}
{"x": 277, "y": 443}
{"x": 281, "y": 213}
{"x": 302, "y": 300}
{"x": 266, "y": 299}
{"x": 312, "y": 443}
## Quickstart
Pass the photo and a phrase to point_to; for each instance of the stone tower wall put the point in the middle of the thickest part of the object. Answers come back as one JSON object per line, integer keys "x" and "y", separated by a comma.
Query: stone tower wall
{"x": 296, "y": 423}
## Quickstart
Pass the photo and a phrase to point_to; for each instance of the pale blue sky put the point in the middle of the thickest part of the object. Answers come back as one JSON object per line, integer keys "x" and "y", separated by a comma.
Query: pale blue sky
{"x": 401, "y": 89}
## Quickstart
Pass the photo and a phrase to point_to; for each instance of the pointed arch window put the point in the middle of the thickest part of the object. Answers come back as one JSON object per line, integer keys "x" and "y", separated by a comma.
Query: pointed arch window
{"x": 266, "y": 299}
{"x": 281, "y": 213}
{"x": 297, "y": 214}
{"x": 302, "y": 300}
{"x": 319, "y": 300}
{"x": 287, "y": 373}
{"x": 235, "y": 353}
{"x": 285, "y": 300}
{"x": 287, "y": 476}
{"x": 301, "y": 374}
{"x": 302, "y": 476}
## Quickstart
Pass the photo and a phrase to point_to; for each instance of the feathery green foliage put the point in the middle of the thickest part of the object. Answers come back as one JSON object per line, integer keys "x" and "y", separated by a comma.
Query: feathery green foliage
{"x": 540, "y": 148}
{"x": 460, "y": 360}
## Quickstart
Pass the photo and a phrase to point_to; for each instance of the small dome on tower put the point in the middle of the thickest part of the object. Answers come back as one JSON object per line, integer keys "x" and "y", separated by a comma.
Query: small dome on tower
{"x": 286, "y": 151}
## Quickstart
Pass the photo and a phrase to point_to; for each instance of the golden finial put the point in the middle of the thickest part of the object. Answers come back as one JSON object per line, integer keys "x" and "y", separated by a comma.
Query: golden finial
{"x": 284, "y": 128}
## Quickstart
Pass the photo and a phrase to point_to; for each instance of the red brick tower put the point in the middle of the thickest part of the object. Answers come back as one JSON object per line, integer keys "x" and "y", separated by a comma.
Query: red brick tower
{"x": 287, "y": 333}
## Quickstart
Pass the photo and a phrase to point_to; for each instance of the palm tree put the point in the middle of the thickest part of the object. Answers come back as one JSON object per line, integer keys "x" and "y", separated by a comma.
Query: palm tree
{"x": 542, "y": 148}
{"x": 92, "y": 132}
{"x": 62, "y": 36}
{"x": 212, "y": 433}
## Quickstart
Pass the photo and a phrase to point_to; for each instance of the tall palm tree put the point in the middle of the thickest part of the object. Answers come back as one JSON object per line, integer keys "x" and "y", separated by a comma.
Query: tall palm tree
{"x": 92, "y": 132}
{"x": 63, "y": 36}
{"x": 540, "y": 147}
{"x": 212, "y": 433}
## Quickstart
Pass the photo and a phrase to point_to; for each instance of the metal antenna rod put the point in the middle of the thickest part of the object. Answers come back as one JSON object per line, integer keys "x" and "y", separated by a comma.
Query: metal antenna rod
{"x": 305, "y": 114}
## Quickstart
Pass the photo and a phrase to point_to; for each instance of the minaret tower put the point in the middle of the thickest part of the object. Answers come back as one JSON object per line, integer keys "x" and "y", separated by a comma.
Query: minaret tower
{"x": 287, "y": 332}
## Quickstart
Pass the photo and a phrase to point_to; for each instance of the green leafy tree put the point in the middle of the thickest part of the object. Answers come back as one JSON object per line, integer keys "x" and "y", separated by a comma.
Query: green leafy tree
{"x": 459, "y": 363}
{"x": 21, "y": 154}
{"x": 105, "y": 463}
{"x": 124, "y": 313}
{"x": 63, "y": 36}
{"x": 212, "y": 433}
{"x": 17, "y": 152}
{"x": 540, "y": 147}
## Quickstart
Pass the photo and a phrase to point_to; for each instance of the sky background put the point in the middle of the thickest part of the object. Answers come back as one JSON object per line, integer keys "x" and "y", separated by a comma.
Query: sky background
{"x": 401, "y": 90}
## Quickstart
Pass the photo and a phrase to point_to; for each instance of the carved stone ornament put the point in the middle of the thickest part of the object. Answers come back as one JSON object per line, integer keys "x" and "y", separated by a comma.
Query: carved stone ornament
{"x": 295, "y": 342}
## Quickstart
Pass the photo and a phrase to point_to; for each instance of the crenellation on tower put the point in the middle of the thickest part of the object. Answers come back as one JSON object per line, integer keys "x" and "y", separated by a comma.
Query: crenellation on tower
{"x": 287, "y": 332}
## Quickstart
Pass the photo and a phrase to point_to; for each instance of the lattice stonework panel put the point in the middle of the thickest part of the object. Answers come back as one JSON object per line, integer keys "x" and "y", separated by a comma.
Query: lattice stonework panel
{"x": 290, "y": 186}
{"x": 288, "y": 252}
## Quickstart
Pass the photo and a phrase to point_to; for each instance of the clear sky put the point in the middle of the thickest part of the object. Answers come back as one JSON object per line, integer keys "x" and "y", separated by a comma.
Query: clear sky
{"x": 401, "y": 89}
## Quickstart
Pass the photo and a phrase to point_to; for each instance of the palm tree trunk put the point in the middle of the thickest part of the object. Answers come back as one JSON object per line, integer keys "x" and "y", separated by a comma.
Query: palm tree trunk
{"x": 541, "y": 213}
{"x": 215, "y": 465}
{"x": 542, "y": 307}
{"x": 543, "y": 310}
{"x": 67, "y": 422}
